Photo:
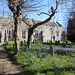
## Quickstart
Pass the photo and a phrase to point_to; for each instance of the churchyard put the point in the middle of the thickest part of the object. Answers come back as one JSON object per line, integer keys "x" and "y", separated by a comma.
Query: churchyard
{"x": 48, "y": 58}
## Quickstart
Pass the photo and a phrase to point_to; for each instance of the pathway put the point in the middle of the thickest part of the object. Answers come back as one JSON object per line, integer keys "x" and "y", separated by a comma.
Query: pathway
{"x": 6, "y": 65}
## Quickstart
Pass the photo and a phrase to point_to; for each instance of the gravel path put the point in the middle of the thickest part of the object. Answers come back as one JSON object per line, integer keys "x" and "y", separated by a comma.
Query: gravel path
{"x": 6, "y": 65}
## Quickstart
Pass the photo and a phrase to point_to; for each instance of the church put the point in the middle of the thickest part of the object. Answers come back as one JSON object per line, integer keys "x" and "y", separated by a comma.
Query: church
{"x": 50, "y": 31}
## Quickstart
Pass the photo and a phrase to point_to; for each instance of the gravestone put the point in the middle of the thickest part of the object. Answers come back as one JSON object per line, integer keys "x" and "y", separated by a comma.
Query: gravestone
{"x": 63, "y": 45}
{"x": 51, "y": 50}
{"x": 21, "y": 43}
{"x": 47, "y": 41}
{"x": 24, "y": 43}
{"x": 51, "y": 42}
{"x": 56, "y": 42}
{"x": 71, "y": 43}
{"x": 13, "y": 46}
{"x": 66, "y": 43}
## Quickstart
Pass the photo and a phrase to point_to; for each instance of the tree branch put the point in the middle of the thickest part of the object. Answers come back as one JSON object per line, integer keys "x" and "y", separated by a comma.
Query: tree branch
{"x": 43, "y": 13}
{"x": 23, "y": 19}
{"x": 11, "y": 5}
{"x": 50, "y": 16}
{"x": 45, "y": 21}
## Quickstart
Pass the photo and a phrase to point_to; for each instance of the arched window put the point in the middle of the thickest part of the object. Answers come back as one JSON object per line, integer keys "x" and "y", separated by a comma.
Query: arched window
{"x": 0, "y": 37}
{"x": 35, "y": 34}
{"x": 23, "y": 34}
{"x": 9, "y": 34}
{"x": 5, "y": 36}
{"x": 63, "y": 36}
{"x": 57, "y": 33}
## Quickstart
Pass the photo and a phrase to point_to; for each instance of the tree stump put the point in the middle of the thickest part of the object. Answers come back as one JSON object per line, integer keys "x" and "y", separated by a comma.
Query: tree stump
{"x": 51, "y": 50}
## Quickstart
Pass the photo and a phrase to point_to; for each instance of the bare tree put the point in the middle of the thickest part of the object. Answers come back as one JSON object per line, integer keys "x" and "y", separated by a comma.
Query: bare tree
{"x": 16, "y": 7}
{"x": 32, "y": 27}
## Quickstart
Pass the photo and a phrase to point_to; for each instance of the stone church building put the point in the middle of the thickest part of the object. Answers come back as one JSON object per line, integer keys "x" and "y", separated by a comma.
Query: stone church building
{"x": 51, "y": 31}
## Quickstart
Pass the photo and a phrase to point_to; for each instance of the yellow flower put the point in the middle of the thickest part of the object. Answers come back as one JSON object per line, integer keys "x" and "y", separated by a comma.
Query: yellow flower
{"x": 34, "y": 51}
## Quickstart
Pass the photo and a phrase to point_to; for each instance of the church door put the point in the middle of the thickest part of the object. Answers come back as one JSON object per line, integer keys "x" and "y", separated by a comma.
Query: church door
{"x": 0, "y": 37}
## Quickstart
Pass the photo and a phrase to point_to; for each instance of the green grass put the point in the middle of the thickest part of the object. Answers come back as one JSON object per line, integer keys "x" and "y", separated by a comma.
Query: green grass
{"x": 37, "y": 62}
{"x": 57, "y": 64}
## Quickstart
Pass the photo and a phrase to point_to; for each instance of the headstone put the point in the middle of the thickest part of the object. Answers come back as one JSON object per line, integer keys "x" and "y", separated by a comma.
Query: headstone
{"x": 58, "y": 42}
{"x": 51, "y": 42}
{"x": 66, "y": 43}
{"x": 7, "y": 42}
{"x": 63, "y": 45}
{"x": 71, "y": 43}
{"x": 24, "y": 43}
{"x": 13, "y": 46}
{"x": 33, "y": 41}
{"x": 51, "y": 50}
{"x": 21, "y": 43}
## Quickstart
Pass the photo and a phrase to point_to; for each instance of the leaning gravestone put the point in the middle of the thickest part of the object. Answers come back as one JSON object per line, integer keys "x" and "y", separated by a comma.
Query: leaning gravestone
{"x": 24, "y": 43}
{"x": 51, "y": 50}
{"x": 7, "y": 42}
{"x": 51, "y": 42}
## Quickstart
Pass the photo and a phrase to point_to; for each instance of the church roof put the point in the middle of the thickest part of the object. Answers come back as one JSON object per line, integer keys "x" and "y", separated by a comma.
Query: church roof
{"x": 48, "y": 23}
{"x": 9, "y": 21}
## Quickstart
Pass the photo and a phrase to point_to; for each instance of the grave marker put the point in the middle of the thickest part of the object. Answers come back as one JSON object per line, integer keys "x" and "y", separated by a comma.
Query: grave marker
{"x": 51, "y": 50}
{"x": 21, "y": 43}
{"x": 24, "y": 43}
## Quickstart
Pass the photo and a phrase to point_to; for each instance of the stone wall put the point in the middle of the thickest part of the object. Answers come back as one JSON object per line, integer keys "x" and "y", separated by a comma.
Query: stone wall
{"x": 46, "y": 32}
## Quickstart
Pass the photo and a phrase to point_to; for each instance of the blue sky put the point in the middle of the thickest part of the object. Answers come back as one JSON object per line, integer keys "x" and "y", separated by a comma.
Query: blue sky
{"x": 60, "y": 16}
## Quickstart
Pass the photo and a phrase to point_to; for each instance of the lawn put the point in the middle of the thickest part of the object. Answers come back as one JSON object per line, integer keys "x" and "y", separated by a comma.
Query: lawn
{"x": 38, "y": 61}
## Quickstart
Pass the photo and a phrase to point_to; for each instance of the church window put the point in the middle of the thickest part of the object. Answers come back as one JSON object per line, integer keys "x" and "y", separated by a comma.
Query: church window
{"x": 23, "y": 34}
{"x": 36, "y": 34}
{"x": 41, "y": 35}
{"x": 7, "y": 31}
{"x": 9, "y": 34}
{"x": 5, "y": 34}
{"x": 13, "y": 33}
{"x": 57, "y": 33}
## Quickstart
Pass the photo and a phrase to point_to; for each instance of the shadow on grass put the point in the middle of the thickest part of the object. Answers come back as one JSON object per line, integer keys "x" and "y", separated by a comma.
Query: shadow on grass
{"x": 23, "y": 73}
{"x": 70, "y": 68}
{"x": 57, "y": 71}
{"x": 46, "y": 43}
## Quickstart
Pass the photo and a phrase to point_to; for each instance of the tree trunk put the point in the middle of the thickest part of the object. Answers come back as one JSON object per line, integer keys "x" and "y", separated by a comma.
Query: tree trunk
{"x": 16, "y": 35}
{"x": 30, "y": 32}
{"x": 7, "y": 37}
